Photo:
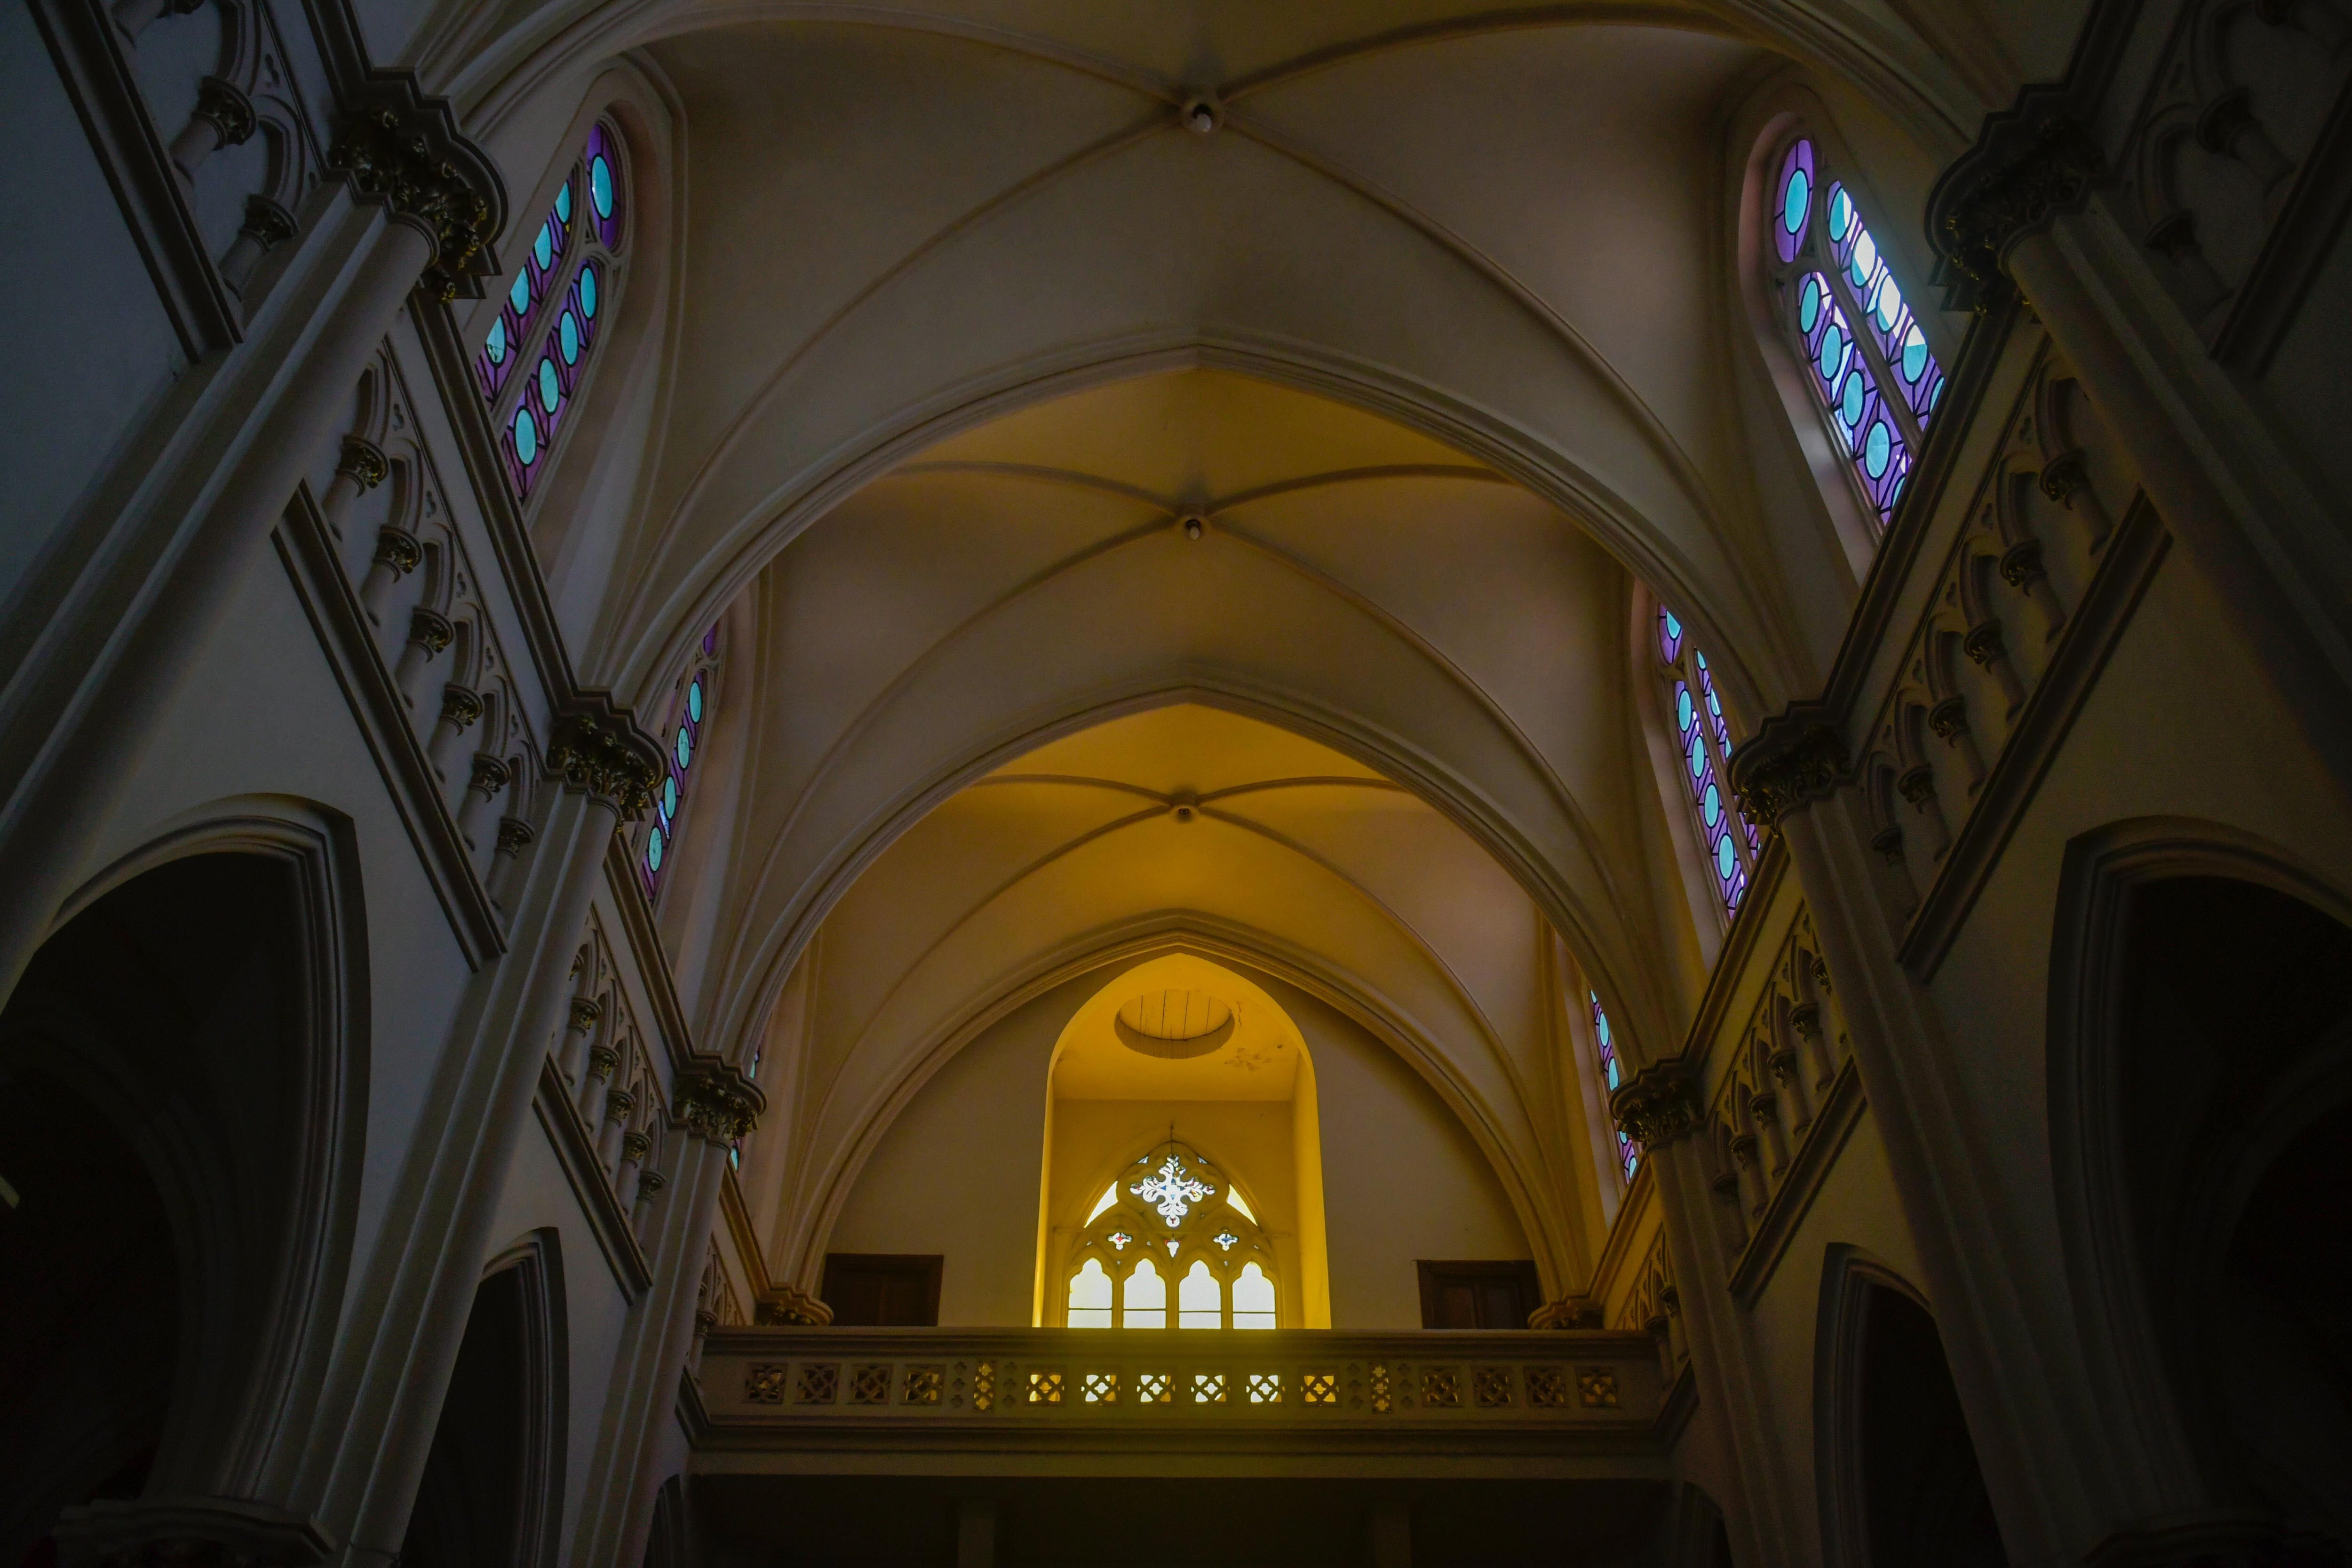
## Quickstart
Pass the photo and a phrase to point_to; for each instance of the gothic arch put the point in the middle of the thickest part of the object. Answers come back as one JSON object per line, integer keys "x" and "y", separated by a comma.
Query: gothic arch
{"x": 2152, "y": 1268}
{"x": 207, "y": 995}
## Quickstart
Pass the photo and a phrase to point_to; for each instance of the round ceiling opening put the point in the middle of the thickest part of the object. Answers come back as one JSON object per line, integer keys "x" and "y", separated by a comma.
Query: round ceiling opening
{"x": 1174, "y": 1024}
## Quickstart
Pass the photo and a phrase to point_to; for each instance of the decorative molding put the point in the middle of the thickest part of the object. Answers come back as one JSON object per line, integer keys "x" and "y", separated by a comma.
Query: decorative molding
{"x": 348, "y": 639}
{"x": 403, "y": 150}
{"x": 87, "y": 50}
{"x": 575, "y": 1143}
{"x": 643, "y": 939}
{"x": 1567, "y": 1313}
{"x": 1796, "y": 757}
{"x": 714, "y": 1102}
{"x": 189, "y": 1532}
{"x": 1659, "y": 1106}
{"x": 787, "y": 1305}
{"x": 2020, "y": 174}
{"x": 2090, "y": 635}
{"x": 597, "y": 747}
{"x": 1809, "y": 1170}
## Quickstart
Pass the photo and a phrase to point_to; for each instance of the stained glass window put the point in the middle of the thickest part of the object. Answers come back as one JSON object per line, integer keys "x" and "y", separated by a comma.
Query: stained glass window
{"x": 1172, "y": 1223}
{"x": 1252, "y": 1298}
{"x": 690, "y": 712}
{"x": 1702, "y": 733}
{"x": 1090, "y": 1297}
{"x": 1199, "y": 1299}
{"x": 552, "y": 313}
{"x": 1146, "y": 1305}
{"x": 1629, "y": 1153}
{"x": 1865, "y": 357}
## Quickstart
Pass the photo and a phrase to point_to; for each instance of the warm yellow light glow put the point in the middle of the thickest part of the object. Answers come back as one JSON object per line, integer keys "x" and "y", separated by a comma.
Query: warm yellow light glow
{"x": 1146, "y": 1297}
{"x": 1252, "y": 1298}
{"x": 1200, "y": 1299}
{"x": 1233, "y": 1196}
{"x": 1090, "y": 1297}
{"x": 1110, "y": 1196}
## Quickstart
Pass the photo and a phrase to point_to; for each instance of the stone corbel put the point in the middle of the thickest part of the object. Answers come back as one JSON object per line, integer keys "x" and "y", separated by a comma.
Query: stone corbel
{"x": 1658, "y": 1106}
{"x": 224, "y": 116}
{"x": 716, "y": 1103}
{"x": 598, "y": 749}
{"x": 790, "y": 1306}
{"x": 2029, "y": 166}
{"x": 1795, "y": 758}
{"x": 403, "y": 150}
{"x": 189, "y": 1532}
{"x": 1567, "y": 1313}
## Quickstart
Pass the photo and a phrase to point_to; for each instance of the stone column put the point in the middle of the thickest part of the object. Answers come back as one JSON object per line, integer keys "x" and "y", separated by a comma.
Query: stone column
{"x": 422, "y": 203}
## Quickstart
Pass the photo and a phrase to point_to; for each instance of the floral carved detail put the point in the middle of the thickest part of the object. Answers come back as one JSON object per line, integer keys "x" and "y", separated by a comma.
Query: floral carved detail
{"x": 399, "y": 552}
{"x": 2053, "y": 172}
{"x": 1659, "y": 1106}
{"x": 716, "y": 1103}
{"x": 364, "y": 461}
{"x": 598, "y": 748}
{"x": 790, "y": 1306}
{"x": 401, "y": 159}
{"x": 1787, "y": 765}
{"x": 224, "y": 106}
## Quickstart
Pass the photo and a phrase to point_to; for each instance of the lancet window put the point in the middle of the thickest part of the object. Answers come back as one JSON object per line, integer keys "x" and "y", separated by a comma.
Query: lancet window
{"x": 1703, "y": 737}
{"x": 682, "y": 748}
{"x": 1170, "y": 1244}
{"x": 1629, "y": 1153}
{"x": 535, "y": 358}
{"x": 1865, "y": 357}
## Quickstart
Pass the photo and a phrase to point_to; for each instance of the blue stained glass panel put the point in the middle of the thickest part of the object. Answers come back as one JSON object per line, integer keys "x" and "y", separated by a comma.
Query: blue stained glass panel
{"x": 1796, "y": 200}
{"x": 599, "y": 185}
{"x": 694, "y": 702}
{"x": 526, "y": 437}
{"x": 653, "y": 849}
{"x": 563, "y": 204}
{"x": 567, "y": 338}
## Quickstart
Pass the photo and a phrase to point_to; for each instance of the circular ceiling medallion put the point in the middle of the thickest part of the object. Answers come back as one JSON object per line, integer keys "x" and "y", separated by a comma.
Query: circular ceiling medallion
{"x": 1174, "y": 1024}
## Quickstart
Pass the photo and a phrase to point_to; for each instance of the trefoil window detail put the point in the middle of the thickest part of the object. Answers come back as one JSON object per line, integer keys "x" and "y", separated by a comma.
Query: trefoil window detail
{"x": 1212, "y": 1266}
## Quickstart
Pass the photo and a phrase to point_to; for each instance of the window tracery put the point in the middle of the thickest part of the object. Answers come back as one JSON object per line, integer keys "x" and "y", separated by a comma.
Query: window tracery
{"x": 690, "y": 712}
{"x": 1877, "y": 387}
{"x": 1629, "y": 1153}
{"x": 1702, "y": 731}
{"x": 1172, "y": 1217}
{"x": 554, "y": 312}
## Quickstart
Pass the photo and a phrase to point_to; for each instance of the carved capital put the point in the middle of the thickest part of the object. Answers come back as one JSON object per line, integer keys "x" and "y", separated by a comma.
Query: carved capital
{"x": 602, "y": 1060}
{"x": 1949, "y": 719}
{"x": 2062, "y": 474}
{"x": 2021, "y": 563}
{"x": 598, "y": 749}
{"x": 1889, "y": 842}
{"x": 1917, "y": 784}
{"x": 460, "y": 705}
{"x": 515, "y": 834}
{"x": 636, "y": 1146}
{"x": 367, "y": 467}
{"x": 716, "y": 1103}
{"x": 1658, "y": 1106}
{"x": 490, "y": 775}
{"x": 1806, "y": 1018}
{"x": 791, "y": 1305}
{"x": 268, "y": 223}
{"x": 618, "y": 1103}
{"x": 1743, "y": 1149}
{"x": 404, "y": 151}
{"x": 2017, "y": 176}
{"x": 224, "y": 106}
{"x": 1568, "y": 1313}
{"x": 585, "y": 1011}
{"x": 398, "y": 550}
{"x": 1783, "y": 1063}
{"x": 1984, "y": 642}
{"x": 430, "y": 630}
{"x": 1794, "y": 759}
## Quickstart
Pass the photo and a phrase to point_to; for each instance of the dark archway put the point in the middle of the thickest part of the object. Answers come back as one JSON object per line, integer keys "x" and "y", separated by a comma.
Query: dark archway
{"x": 152, "y": 1086}
{"x": 1923, "y": 1496}
{"x": 2234, "y": 1116}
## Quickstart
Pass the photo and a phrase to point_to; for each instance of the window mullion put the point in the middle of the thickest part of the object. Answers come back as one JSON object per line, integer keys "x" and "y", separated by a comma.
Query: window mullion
{"x": 1866, "y": 342}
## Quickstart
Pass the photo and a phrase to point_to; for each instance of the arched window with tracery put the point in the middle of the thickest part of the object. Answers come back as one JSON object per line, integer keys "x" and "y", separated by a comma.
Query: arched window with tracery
{"x": 1629, "y": 1153}
{"x": 536, "y": 357}
{"x": 682, "y": 748}
{"x": 1171, "y": 1225}
{"x": 1877, "y": 387}
{"x": 1702, "y": 735}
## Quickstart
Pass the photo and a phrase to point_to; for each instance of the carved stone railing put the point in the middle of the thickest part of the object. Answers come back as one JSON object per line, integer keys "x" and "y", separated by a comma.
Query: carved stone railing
{"x": 1579, "y": 1391}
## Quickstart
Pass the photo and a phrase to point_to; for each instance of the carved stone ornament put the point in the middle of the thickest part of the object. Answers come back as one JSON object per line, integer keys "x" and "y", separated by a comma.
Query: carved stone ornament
{"x": 405, "y": 152}
{"x": 460, "y": 706}
{"x": 1793, "y": 760}
{"x": 1659, "y": 1106}
{"x": 430, "y": 630}
{"x": 1950, "y": 718}
{"x": 2021, "y": 563}
{"x": 188, "y": 1532}
{"x": 267, "y": 222}
{"x": 398, "y": 550}
{"x": 515, "y": 834}
{"x": 364, "y": 461}
{"x": 1568, "y": 1313}
{"x": 716, "y": 1103}
{"x": 2016, "y": 180}
{"x": 2062, "y": 473}
{"x": 790, "y": 1306}
{"x": 490, "y": 775}
{"x": 599, "y": 747}
{"x": 224, "y": 106}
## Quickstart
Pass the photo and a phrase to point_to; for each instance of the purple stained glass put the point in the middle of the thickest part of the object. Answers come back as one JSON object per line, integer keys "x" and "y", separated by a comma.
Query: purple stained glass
{"x": 603, "y": 165}
{"x": 1794, "y": 201}
{"x": 693, "y": 712}
{"x": 1842, "y": 380}
{"x": 1670, "y": 635}
{"x": 542, "y": 261}
{"x": 1629, "y": 1153}
{"x": 1886, "y": 313}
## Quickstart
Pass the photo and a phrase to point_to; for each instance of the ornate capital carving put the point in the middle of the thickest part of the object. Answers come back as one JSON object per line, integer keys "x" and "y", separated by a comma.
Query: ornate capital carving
{"x": 430, "y": 630}
{"x": 1950, "y": 718}
{"x": 460, "y": 705}
{"x": 2018, "y": 176}
{"x": 224, "y": 106}
{"x": 398, "y": 550}
{"x": 636, "y": 1146}
{"x": 716, "y": 1103}
{"x": 599, "y": 747}
{"x": 2062, "y": 474}
{"x": 490, "y": 775}
{"x": 1796, "y": 758}
{"x": 1917, "y": 784}
{"x": 1567, "y": 1313}
{"x": 1889, "y": 842}
{"x": 1806, "y": 1018}
{"x": 515, "y": 834}
{"x": 1658, "y": 1106}
{"x": 618, "y": 1103}
{"x": 1984, "y": 642}
{"x": 585, "y": 1011}
{"x": 2022, "y": 562}
{"x": 268, "y": 223}
{"x": 364, "y": 461}
{"x": 602, "y": 1060}
{"x": 404, "y": 150}
{"x": 791, "y": 1305}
